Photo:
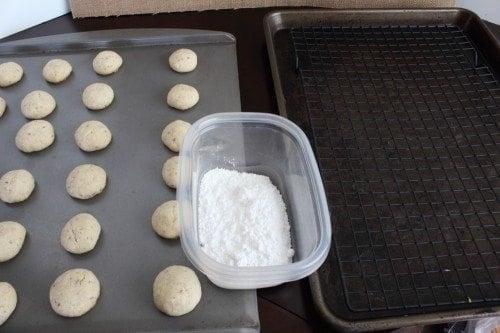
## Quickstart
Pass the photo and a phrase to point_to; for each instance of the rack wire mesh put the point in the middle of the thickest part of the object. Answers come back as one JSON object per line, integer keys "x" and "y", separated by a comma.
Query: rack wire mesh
{"x": 405, "y": 125}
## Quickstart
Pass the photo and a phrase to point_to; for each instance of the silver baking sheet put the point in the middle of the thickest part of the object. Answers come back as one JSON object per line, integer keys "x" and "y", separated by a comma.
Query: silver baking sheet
{"x": 128, "y": 255}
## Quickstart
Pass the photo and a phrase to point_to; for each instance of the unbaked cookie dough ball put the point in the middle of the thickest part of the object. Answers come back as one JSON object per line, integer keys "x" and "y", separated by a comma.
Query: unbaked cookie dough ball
{"x": 56, "y": 70}
{"x": 86, "y": 181}
{"x": 165, "y": 220}
{"x": 182, "y": 97}
{"x": 174, "y": 133}
{"x": 92, "y": 135}
{"x": 170, "y": 171}
{"x": 12, "y": 235}
{"x": 98, "y": 96}
{"x": 176, "y": 290}
{"x": 3, "y": 106}
{"x": 183, "y": 60}
{"x": 80, "y": 234}
{"x": 8, "y": 301}
{"x": 34, "y": 136}
{"x": 74, "y": 293}
{"x": 10, "y": 73}
{"x": 37, "y": 104}
{"x": 107, "y": 62}
{"x": 16, "y": 186}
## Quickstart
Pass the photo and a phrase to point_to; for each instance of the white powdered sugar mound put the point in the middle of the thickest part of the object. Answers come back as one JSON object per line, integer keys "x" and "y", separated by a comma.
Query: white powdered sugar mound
{"x": 243, "y": 220}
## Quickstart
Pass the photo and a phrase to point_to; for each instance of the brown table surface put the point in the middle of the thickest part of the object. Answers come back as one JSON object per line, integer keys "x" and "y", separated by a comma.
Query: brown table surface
{"x": 285, "y": 308}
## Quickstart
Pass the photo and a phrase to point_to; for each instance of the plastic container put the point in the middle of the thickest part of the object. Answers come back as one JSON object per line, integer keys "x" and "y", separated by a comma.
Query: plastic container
{"x": 268, "y": 145}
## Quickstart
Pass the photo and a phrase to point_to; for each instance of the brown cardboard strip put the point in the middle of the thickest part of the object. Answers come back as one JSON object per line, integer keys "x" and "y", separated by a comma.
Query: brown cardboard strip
{"x": 89, "y": 8}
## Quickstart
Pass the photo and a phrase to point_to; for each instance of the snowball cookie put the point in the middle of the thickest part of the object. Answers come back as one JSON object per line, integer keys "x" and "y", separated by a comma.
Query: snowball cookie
{"x": 183, "y": 60}
{"x": 92, "y": 135}
{"x": 176, "y": 290}
{"x": 170, "y": 171}
{"x": 86, "y": 181}
{"x": 35, "y": 135}
{"x": 8, "y": 301}
{"x": 74, "y": 292}
{"x": 12, "y": 236}
{"x": 80, "y": 234}
{"x": 3, "y": 106}
{"x": 10, "y": 73}
{"x": 165, "y": 220}
{"x": 182, "y": 97}
{"x": 16, "y": 186}
{"x": 107, "y": 62}
{"x": 37, "y": 104}
{"x": 56, "y": 70}
{"x": 97, "y": 96}
{"x": 174, "y": 133}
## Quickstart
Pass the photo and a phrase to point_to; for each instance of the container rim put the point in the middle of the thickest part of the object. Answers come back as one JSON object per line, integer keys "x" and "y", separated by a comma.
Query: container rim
{"x": 233, "y": 277}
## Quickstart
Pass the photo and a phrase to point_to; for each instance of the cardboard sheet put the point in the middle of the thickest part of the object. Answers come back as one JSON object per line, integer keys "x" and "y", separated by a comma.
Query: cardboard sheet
{"x": 90, "y": 8}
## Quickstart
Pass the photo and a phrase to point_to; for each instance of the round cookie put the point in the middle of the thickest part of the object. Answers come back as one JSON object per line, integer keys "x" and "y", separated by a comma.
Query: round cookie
{"x": 86, "y": 181}
{"x": 170, "y": 171}
{"x": 182, "y": 97}
{"x": 37, "y": 104}
{"x": 176, "y": 290}
{"x": 3, "y": 106}
{"x": 56, "y": 70}
{"x": 92, "y": 135}
{"x": 165, "y": 220}
{"x": 16, "y": 186}
{"x": 10, "y": 73}
{"x": 12, "y": 235}
{"x": 8, "y": 301}
{"x": 98, "y": 96}
{"x": 174, "y": 133}
{"x": 34, "y": 136}
{"x": 74, "y": 293}
{"x": 183, "y": 60}
{"x": 107, "y": 62}
{"x": 80, "y": 234}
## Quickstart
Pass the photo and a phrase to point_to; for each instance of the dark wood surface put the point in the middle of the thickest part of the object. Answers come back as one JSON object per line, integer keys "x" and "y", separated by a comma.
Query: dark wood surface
{"x": 285, "y": 308}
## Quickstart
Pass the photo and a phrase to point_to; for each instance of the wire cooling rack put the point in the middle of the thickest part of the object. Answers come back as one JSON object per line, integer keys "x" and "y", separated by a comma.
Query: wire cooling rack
{"x": 405, "y": 125}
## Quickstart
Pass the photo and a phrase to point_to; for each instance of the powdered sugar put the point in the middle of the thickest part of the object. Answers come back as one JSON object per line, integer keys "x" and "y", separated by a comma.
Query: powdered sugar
{"x": 243, "y": 219}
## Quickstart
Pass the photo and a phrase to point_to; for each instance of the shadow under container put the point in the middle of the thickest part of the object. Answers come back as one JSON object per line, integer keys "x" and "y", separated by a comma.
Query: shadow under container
{"x": 268, "y": 145}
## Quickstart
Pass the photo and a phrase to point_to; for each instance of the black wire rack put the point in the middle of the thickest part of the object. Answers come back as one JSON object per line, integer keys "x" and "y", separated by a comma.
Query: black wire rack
{"x": 404, "y": 121}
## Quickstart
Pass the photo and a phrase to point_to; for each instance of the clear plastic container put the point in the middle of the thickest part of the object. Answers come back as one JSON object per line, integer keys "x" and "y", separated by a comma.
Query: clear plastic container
{"x": 268, "y": 145}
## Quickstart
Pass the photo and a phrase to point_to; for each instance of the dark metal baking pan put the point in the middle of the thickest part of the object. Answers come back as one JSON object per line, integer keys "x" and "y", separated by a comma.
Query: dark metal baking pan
{"x": 129, "y": 254}
{"x": 402, "y": 108}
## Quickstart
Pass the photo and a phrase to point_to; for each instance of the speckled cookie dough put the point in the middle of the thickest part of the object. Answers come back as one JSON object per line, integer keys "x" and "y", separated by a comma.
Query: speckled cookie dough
{"x": 92, "y": 135}
{"x": 56, "y": 70}
{"x": 107, "y": 62}
{"x": 165, "y": 220}
{"x": 12, "y": 235}
{"x": 98, "y": 96}
{"x": 8, "y": 301}
{"x": 37, "y": 104}
{"x": 34, "y": 136}
{"x": 74, "y": 293}
{"x": 16, "y": 186}
{"x": 86, "y": 181}
{"x": 176, "y": 290}
{"x": 80, "y": 234}
{"x": 182, "y": 97}
{"x": 10, "y": 73}
{"x": 174, "y": 133}
{"x": 3, "y": 106}
{"x": 183, "y": 60}
{"x": 170, "y": 171}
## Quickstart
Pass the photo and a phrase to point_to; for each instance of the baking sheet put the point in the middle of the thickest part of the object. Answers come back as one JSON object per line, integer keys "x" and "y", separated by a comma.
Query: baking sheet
{"x": 401, "y": 107}
{"x": 128, "y": 255}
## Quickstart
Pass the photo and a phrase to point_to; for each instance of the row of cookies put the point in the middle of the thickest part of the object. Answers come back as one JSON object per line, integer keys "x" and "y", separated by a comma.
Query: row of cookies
{"x": 165, "y": 219}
